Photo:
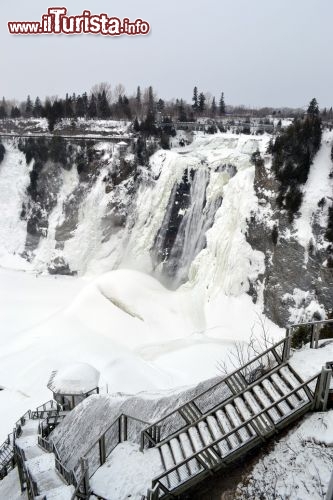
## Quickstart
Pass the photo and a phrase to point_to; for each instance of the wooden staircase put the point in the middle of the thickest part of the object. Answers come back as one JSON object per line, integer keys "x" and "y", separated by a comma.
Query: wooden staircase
{"x": 245, "y": 408}
{"x": 205, "y": 434}
{"x": 240, "y": 423}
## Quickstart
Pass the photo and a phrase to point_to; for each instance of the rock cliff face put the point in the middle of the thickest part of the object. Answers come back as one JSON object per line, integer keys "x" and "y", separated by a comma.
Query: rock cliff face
{"x": 88, "y": 207}
{"x": 297, "y": 283}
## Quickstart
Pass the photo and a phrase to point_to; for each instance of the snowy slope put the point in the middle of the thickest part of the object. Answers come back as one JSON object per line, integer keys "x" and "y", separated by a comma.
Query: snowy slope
{"x": 138, "y": 334}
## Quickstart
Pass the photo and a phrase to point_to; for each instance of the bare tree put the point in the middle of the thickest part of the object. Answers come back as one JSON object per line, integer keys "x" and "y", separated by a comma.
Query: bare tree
{"x": 99, "y": 88}
{"x": 119, "y": 90}
{"x": 242, "y": 352}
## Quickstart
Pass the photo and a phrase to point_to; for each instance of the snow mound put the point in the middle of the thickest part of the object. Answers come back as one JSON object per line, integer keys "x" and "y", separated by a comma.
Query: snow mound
{"x": 76, "y": 378}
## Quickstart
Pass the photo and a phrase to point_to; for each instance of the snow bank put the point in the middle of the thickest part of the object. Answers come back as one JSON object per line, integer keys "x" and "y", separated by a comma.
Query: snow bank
{"x": 76, "y": 378}
{"x": 299, "y": 466}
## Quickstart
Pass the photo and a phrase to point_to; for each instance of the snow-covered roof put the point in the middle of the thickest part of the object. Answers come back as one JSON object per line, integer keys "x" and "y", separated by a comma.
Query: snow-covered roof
{"x": 122, "y": 143}
{"x": 76, "y": 378}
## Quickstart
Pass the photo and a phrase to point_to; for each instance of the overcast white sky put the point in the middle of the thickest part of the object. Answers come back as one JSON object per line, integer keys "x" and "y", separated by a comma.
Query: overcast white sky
{"x": 259, "y": 52}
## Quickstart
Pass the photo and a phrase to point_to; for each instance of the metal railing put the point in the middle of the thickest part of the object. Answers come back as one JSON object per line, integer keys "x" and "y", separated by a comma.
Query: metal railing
{"x": 50, "y": 422}
{"x": 210, "y": 457}
{"x": 123, "y": 428}
{"x": 192, "y": 410}
{"x": 230, "y": 385}
{"x": 45, "y": 409}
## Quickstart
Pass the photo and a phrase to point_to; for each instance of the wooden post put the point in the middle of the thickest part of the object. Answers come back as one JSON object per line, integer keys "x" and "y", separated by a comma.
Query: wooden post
{"x": 85, "y": 473}
{"x": 123, "y": 428}
{"x": 312, "y": 337}
{"x": 329, "y": 494}
{"x": 102, "y": 454}
{"x": 286, "y": 346}
{"x": 20, "y": 471}
{"x": 323, "y": 388}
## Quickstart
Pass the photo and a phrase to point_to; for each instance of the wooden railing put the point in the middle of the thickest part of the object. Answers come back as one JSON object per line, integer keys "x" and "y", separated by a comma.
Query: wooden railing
{"x": 310, "y": 332}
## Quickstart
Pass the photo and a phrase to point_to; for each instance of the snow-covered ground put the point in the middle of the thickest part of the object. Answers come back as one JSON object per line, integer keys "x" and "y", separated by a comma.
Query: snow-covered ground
{"x": 138, "y": 334}
{"x": 299, "y": 467}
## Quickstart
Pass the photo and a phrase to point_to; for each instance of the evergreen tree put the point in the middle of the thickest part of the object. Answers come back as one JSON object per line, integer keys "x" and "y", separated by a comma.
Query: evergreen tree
{"x": 68, "y": 107}
{"x": 293, "y": 152}
{"x": 15, "y": 112}
{"x": 151, "y": 103}
{"x": 222, "y": 105}
{"x": 195, "y": 104}
{"x": 38, "y": 108}
{"x": 80, "y": 107}
{"x": 182, "y": 117}
{"x": 213, "y": 107}
{"x": 3, "y": 109}
{"x": 136, "y": 125}
{"x": 126, "y": 109}
{"x": 28, "y": 107}
{"x": 160, "y": 105}
{"x": 202, "y": 100}
{"x": 85, "y": 103}
{"x": 138, "y": 96}
{"x": 92, "y": 108}
{"x": 313, "y": 109}
{"x": 103, "y": 106}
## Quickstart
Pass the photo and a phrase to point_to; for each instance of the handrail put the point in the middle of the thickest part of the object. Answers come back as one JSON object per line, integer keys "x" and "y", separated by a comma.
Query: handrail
{"x": 248, "y": 421}
{"x": 223, "y": 380}
{"x": 230, "y": 400}
{"x": 98, "y": 439}
{"x": 321, "y": 321}
{"x": 237, "y": 371}
{"x": 118, "y": 418}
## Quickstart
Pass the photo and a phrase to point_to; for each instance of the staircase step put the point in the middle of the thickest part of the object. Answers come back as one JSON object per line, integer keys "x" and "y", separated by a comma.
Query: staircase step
{"x": 178, "y": 457}
{"x": 63, "y": 492}
{"x": 284, "y": 407}
{"x": 290, "y": 378}
{"x": 48, "y": 480}
{"x": 207, "y": 456}
{"x": 167, "y": 456}
{"x": 233, "y": 439}
{"x": 236, "y": 419}
{"x": 216, "y": 432}
{"x": 245, "y": 412}
{"x": 295, "y": 400}
{"x": 167, "y": 461}
{"x": 205, "y": 433}
{"x": 188, "y": 451}
{"x": 263, "y": 398}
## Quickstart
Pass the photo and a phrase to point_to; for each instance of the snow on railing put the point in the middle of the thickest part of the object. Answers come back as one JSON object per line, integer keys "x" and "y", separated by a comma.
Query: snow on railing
{"x": 178, "y": 475}
{"x": 230, "y": 385}
{"x": 310, "y": 332}
{"x": 221, "y": 391}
